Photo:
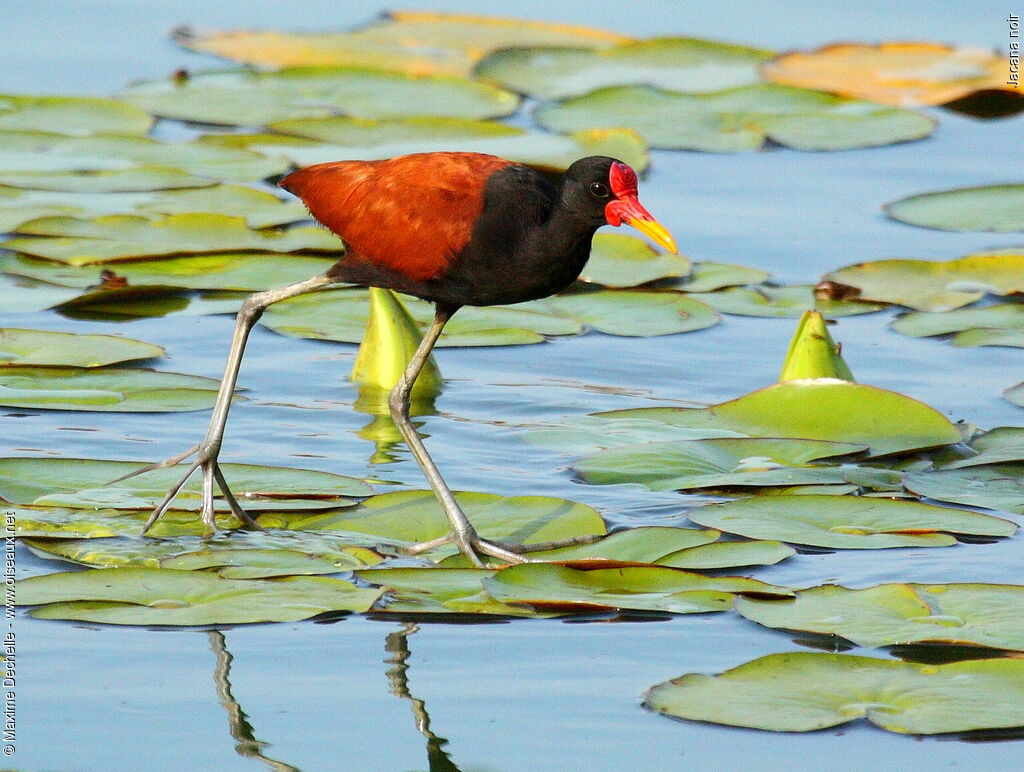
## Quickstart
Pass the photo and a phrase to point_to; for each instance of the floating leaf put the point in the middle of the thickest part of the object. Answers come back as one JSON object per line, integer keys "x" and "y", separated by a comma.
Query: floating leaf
{"x": 1015, "y": 394}
{"x": 817, "y": 410}
{"x": 1004, "y": 316}
{"x": 738, "y": 119}
{"x": 779, "y": 302}
{"x": 52, "y": 523}
{"x": 708, "y": 276}
{"x": 895, "y": 73}
{"x": 889, "y": 614}
{"x": 991, "y": 487}
{"x": 160, "y": 596}
{"x": 804, "y": 691}
{"x": 626, "y": 261}
{"x": 690, "y": 65}
{"x": 41, "y": 347}
{"x": 547, "y": 587}
{"x": 812, "y": 352}
{"x": 236, "y": 271}
{"x": 997, "y": 208}
{"x": 340, "y": 138}
{"x": 579, "y": 435}
{"x": 75, "y": 116}
{"x": 415, "y": 516}
{"x": 729, "y": 554}
{"x": 847, "y": 522}
{"x": 247, "y": 98}
{"x": 438, "y": 591}
{"x": 716, "y": 463}
{"x": 113, "y": 238}
{"x": 989, "y": 337}
{"x": 118, "y": 390}
{"x": 997, "y": 446}
{"x": 416, "y": 42}
{"x": 134, "y": 179}
{"x": 929, "y": 285}
{"x": 634, "y": 314}
{"x": 85, "y": 483}
{"x": 260, "y": 209}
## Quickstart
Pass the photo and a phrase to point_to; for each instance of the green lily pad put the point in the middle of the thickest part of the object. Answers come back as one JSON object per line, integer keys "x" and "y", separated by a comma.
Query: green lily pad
{"x": 780, "y": 302}
{"x": 998, "y": 487}
{"x": 25, "y": 348}
{"x": 85, "y": 483}
{"x": 580, "y": 435}
{"x": 889, "y": 614}
{"x": 928, "y": 285}
{"x": 804, "y": 691}
{"x": 996, "y": 446}
{"x": 75, "y": 116}
{"x": 690, "y": 65}
{"x": 812, "y": 352}
{"x": 997, "y": 325}
{"x": 341, "y": 315}
{"x": 989, "y": 337}
{"x": 729, "y": 554}
{"x": 997, "y": 208}
{"x": 710, "y": 276}
{"x": 340, "y": 138}
{"x": 438, "y": 591}
{"x": 404, "y": 41}
{"x": 259, "y": 208}
{"x": 234, "y": 271}
{"x": 738, "y": 119}
{"x": 136, "y": 178}
{"x": 715, "y": 463}
{"x": 626, "y": 261}
{"x": 114, "y": 238}
{"x": 160, "y": 596}
{"x": 645, "y": 544}
{"x": 117, "y": 390}
{"x": 547, "y": 587}
{"x": 52, "y": 523}
{"x": 633, "y": 313}
{"x": 1015, "y": 394}
{"x": 247, "y": 98}
{"x": 415, "y": 516}
{"x": 847, "y": 522}
{"x": 818, "y": 410}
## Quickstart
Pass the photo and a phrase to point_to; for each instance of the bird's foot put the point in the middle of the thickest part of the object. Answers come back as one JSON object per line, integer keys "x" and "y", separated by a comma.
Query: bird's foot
{"x": 473, "y": 547}
{"x": 205, "y": 459}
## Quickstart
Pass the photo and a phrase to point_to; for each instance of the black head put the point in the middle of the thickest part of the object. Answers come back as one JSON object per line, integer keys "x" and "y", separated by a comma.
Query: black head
{"x": 603, "y": 191}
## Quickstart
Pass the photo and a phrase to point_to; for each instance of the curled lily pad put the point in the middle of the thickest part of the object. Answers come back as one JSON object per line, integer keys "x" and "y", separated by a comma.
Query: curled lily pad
{"x": 626, "y": 261}
{"x": 72, "y": 115}
{"x": 340, "y": 138}
{"x": 738, "y": 119}
{"x": 547, "y": 587}
{"x": 113, "y": 238}
{"x": 715, "y": 463}
{"x": 999, "y": 487}
{"x": 438, "y": 591}
{"x": 818, "y": 409}
{"x": 784, "y": 693}
{"x": 847, "y": 522}
{"x": 691, "y": 65}
{"x": 928, "y": 285}
{"x": 161, "y": 596}
{"x": 415, "y": 516}
{"x": 888, "y": 614}
{"x": 118, "y": 390}
{"x": 989, "y": 208}
{"x": 812, "y": 352}
{"x": 259, "y": 208}
{"x": 776, "y": 302}
{"x": 86, "y": 483}
{"x": 234, "y": 271}
{"x": 895, "y": 73}
{"x": 26, "y": 348}
{"x": 416, "y": 42}
{"x": 248, "y": 98}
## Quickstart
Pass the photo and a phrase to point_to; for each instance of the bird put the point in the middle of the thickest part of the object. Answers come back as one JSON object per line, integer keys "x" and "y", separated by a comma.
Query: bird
{"x": 456, "y": 229}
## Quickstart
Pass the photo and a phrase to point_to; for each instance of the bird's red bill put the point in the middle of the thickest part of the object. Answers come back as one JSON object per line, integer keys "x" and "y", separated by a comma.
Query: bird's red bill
{"x": 626, "y": 208}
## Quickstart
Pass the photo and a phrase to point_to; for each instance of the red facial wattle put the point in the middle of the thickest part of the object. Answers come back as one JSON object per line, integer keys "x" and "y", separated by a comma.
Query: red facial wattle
{"x": 626, "y": 207}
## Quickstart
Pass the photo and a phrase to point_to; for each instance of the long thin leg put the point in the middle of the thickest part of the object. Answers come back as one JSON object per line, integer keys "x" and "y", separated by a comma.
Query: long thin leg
{"x": 208, "y": 449}
{"x": 463, "y": 533}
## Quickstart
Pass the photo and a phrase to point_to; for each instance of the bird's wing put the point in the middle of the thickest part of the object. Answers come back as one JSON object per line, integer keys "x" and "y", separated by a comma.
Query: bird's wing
{"x": 410, "y": 214}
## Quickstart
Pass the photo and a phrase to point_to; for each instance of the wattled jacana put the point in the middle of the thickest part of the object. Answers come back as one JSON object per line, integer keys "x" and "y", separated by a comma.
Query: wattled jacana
{"x": 456, "y": 229}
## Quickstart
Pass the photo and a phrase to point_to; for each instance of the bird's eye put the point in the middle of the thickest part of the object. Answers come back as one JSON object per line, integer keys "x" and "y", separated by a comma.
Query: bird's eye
{"x": 599, "y": 190}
